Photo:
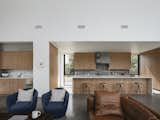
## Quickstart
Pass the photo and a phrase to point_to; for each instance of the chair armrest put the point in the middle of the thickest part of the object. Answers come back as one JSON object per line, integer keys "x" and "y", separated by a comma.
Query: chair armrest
{"x": 11, "y": 99}
{"x": 46, "y": 98}
{"x": 35, "y": 96}
{"x": 66, "y": 99}
{"x": 90, "y": 104}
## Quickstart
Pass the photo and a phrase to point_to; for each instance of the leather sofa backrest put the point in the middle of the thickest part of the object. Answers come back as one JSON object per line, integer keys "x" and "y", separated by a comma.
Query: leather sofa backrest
{"x": 134, "y": 111}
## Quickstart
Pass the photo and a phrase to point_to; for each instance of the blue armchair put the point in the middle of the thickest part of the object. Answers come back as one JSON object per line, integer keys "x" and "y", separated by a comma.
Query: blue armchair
{"x": 21, "y": 107}
{"x": 58, "y": 109}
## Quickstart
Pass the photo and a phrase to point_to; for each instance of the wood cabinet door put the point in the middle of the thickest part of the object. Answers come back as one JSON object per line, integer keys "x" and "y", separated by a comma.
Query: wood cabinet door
{"x": 84, "y": 61}
{"x": 4, "y": 86}
{"x": 13, "y": 85}
{"x": 9, "y": 86}
{"x": 24, "y": 60}
{"x": 8, "y": 60}
{"x": 21, "y": 83}
{"x": 16, "y": 60}
{"x": 120, "y": 61}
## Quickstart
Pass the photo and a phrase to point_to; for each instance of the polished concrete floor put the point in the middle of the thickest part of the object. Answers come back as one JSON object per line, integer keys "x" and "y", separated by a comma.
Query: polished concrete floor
{"x": 77, "y": 105}
{"x": 76, "y": 109}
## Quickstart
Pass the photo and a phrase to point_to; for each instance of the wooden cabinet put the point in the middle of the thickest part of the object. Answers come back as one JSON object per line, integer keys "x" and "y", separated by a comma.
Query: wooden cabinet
{"x": 8, "y": 86}
{"x": 120, "y": 61}
{"x": 84, "y": 61}
{"x": 4, "y": 86}
{"x": 25, "y": 60}
{"x": 16, "y": 60}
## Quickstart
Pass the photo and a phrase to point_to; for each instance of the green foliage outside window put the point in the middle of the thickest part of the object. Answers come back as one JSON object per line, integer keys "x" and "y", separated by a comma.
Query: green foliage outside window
{"x": 134, "y": 64}
{"x": 69, "y": 68}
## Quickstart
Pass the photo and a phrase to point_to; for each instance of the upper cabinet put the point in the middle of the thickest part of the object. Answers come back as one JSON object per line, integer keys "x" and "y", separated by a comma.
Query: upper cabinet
{"x": 121, "y": 60}
{"x": 16, "y": 60}
{"x": 84, "y": 61}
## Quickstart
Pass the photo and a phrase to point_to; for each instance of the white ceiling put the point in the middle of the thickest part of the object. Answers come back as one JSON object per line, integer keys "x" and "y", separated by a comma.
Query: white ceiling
{"x": 134, "y": 47}
{"x": 59, "y": 20}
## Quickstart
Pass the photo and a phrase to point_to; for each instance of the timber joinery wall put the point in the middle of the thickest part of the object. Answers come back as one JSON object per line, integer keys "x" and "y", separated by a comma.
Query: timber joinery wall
{"x": 150, "y": 66}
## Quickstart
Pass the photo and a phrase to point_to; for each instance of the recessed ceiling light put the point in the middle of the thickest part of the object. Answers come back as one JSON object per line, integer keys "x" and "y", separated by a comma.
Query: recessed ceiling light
{"x": 124, "y": 26}
{"x": 81, "y": 26}
{"x": 38, "y": 27}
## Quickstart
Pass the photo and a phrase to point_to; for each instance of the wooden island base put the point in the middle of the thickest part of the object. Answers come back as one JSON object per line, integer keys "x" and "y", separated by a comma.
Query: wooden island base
{"x": 130, "y": 85}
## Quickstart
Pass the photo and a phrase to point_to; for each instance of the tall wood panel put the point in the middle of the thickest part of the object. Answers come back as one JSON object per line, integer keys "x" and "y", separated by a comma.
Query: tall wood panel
{"x": 53, "y": 66}
{"x": 150, "y": 66}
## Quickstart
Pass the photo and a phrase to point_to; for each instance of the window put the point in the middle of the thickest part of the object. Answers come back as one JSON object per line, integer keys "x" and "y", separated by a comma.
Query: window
{"x": 68, "y": 69}
{"x": 68, "y": 64}
{"x": 134, "y": 64}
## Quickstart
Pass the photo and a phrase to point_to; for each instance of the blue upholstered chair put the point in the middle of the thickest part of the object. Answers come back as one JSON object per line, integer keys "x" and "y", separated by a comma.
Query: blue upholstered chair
{"x": 58, "y": 109}
{"x": 21, "y": 107}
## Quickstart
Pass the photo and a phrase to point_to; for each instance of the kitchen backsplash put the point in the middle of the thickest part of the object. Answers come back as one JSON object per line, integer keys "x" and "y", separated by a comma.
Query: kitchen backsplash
{"x": 19, "y": 73}
{"x": 92, "y": 72}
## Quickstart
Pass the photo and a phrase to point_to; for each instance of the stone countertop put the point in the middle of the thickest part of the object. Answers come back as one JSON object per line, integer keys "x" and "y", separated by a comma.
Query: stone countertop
{"x": 110, "y": 77}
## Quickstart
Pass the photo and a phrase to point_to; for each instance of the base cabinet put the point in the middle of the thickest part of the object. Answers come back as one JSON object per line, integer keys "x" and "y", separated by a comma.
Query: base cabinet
{"x": 8, "y": 86}
{"x": 88, "y": 86}
{"x": 4, "y": 86}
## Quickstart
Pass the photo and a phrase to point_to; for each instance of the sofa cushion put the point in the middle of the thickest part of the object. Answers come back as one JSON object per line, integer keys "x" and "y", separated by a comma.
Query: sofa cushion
{"x": 55, "y": 106}
{"x": 21, "y": 106}
{"x": 25, "y": 95}
{"x": 107, "y": 103}
{"x": 57, "y": 95}
{"x": 92, "y": 116}
{"x": 133, "y": 110}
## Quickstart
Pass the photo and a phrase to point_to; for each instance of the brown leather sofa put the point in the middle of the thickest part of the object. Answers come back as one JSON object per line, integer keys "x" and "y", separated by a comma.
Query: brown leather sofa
{"x": 131, "y": 110}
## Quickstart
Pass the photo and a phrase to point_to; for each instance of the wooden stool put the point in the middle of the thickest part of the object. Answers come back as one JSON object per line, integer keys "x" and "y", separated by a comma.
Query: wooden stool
{"x": 85, "y": 88}
{"x": 138, "y": 87}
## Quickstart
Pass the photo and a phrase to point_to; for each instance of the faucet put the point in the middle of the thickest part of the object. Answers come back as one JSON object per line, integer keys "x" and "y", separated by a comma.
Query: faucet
{"x": 19, "y": 75}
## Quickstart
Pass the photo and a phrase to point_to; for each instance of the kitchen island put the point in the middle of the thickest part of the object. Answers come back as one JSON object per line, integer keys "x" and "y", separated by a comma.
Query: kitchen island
{"x": 87, "y": 84}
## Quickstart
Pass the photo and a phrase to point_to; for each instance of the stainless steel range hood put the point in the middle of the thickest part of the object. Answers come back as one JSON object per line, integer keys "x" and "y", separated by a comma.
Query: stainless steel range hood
{"x": 103, "y": 58}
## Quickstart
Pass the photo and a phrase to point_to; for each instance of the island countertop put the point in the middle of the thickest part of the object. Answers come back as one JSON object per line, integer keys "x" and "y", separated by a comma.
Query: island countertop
{"x": 110, "y": 77}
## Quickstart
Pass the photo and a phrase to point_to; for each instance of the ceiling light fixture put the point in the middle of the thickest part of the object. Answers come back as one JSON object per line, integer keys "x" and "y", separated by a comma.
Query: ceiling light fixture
{"x": 38, "y": 27}
{"x": 81, "y": 26}
{"x": 124, "y": 26}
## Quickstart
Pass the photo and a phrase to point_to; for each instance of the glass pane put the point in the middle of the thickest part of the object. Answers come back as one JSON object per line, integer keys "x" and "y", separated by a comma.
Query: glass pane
{"x": 68, "y": 64}
{"x": 134, "y": 64}
{"x": 68, "y": 69}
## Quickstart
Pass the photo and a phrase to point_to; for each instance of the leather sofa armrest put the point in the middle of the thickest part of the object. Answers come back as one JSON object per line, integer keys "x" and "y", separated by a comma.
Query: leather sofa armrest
{"x": 90, "y": 104}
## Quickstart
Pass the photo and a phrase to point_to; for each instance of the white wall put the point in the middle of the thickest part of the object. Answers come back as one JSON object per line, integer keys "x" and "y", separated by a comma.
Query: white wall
{"x": 41, "y": 72}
